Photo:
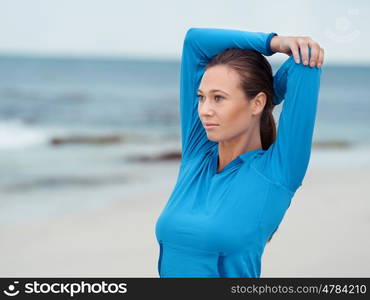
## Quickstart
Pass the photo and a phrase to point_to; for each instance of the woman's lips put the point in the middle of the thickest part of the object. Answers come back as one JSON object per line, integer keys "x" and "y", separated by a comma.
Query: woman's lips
{"x": 209, "y": 126}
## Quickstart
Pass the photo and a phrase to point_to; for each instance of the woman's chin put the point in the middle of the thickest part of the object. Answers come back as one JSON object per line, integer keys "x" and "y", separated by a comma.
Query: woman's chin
{"x": 212, "y": 137}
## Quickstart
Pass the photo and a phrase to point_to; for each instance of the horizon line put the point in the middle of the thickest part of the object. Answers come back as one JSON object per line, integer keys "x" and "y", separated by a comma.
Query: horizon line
{"x": 120, "y": 56}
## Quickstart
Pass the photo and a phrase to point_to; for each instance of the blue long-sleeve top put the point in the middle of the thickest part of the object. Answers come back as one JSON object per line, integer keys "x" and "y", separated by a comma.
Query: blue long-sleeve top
{"x": 216, "y": 224}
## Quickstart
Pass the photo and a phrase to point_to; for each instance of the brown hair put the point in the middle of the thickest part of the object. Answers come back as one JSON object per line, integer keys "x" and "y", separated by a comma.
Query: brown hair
{"x": 255, "y": 76}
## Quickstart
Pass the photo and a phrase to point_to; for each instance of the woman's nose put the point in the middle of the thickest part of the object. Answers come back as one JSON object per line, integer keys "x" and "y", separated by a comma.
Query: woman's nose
{"x": 206, "y": 108}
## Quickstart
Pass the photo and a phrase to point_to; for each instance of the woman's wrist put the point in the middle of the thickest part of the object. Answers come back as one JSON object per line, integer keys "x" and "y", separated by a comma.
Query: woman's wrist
{"x": 274, "y": 44}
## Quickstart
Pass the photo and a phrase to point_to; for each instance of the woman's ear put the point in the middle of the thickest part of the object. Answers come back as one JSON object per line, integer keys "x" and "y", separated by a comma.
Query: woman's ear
{"x": 258, "y": 103}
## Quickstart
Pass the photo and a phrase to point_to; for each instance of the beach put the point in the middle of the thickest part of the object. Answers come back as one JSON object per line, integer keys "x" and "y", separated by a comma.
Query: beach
{"x": 325, "y": 230}
{"x": 323, "y": 234}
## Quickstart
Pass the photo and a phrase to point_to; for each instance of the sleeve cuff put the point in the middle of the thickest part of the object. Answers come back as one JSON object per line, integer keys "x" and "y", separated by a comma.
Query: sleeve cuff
{"x": 268, "y": 43}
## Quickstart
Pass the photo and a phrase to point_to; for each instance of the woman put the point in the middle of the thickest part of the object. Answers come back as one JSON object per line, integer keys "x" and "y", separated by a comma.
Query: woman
{"x": 236, "y": 179}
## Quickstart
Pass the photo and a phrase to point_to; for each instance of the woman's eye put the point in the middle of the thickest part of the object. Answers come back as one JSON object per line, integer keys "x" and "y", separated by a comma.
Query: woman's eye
{"x": 216, "y": 97}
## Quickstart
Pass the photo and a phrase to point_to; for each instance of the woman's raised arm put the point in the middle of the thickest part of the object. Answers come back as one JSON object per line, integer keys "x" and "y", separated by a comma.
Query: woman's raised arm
{"x": 286, "y": 161}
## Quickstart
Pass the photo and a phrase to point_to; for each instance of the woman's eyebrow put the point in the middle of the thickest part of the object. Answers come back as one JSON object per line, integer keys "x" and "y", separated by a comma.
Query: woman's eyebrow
{"x": 213, "y": 91}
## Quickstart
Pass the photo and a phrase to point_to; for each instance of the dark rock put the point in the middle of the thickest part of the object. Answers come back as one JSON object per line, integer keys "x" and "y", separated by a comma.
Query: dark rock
{"x": 172, "y": 155}
{"x": 87, "y": 139}
{"x": 331, "y": 144}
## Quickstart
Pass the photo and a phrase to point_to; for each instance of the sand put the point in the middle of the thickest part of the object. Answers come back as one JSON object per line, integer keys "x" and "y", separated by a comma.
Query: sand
{"x": 325, "y": 232}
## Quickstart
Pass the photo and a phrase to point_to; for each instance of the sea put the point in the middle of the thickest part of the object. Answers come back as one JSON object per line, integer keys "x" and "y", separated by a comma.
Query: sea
{"x": 71, "y": 128}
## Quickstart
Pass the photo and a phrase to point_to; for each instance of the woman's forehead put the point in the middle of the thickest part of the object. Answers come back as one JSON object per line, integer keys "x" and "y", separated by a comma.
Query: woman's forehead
{"x": 219, "y": 78}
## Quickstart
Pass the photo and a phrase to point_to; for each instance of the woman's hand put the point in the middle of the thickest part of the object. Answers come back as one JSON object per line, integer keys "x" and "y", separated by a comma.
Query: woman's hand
{"x": 291, "y": 45}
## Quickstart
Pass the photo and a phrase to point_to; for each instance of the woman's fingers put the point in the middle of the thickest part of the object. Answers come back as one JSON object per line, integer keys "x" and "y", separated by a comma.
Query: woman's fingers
{"x": 295, "y": 51}
{"x": 315, "y": 50}
{"x": 300, "y": 47}
{"x": 303, "y": 45}
{"x": 321, "y": 58}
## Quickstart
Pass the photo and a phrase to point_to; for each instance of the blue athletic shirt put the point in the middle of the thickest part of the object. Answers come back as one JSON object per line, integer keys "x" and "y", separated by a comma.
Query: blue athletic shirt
{"x": 216, "y": 224}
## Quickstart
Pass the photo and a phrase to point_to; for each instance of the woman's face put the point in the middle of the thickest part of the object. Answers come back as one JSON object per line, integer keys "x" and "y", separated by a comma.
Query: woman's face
{"x": 228, "y": 106}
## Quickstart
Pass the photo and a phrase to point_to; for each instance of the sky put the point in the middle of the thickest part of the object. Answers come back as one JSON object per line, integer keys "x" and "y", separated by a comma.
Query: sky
{"x": 155, "y": 29}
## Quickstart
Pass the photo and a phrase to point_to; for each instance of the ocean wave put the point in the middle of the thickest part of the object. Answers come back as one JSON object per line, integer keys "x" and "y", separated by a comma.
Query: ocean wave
{"x": 17, "y": 134}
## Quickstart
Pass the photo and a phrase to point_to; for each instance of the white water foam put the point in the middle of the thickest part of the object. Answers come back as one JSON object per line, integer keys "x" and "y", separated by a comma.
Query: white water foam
{"x": 15, "y": 134}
